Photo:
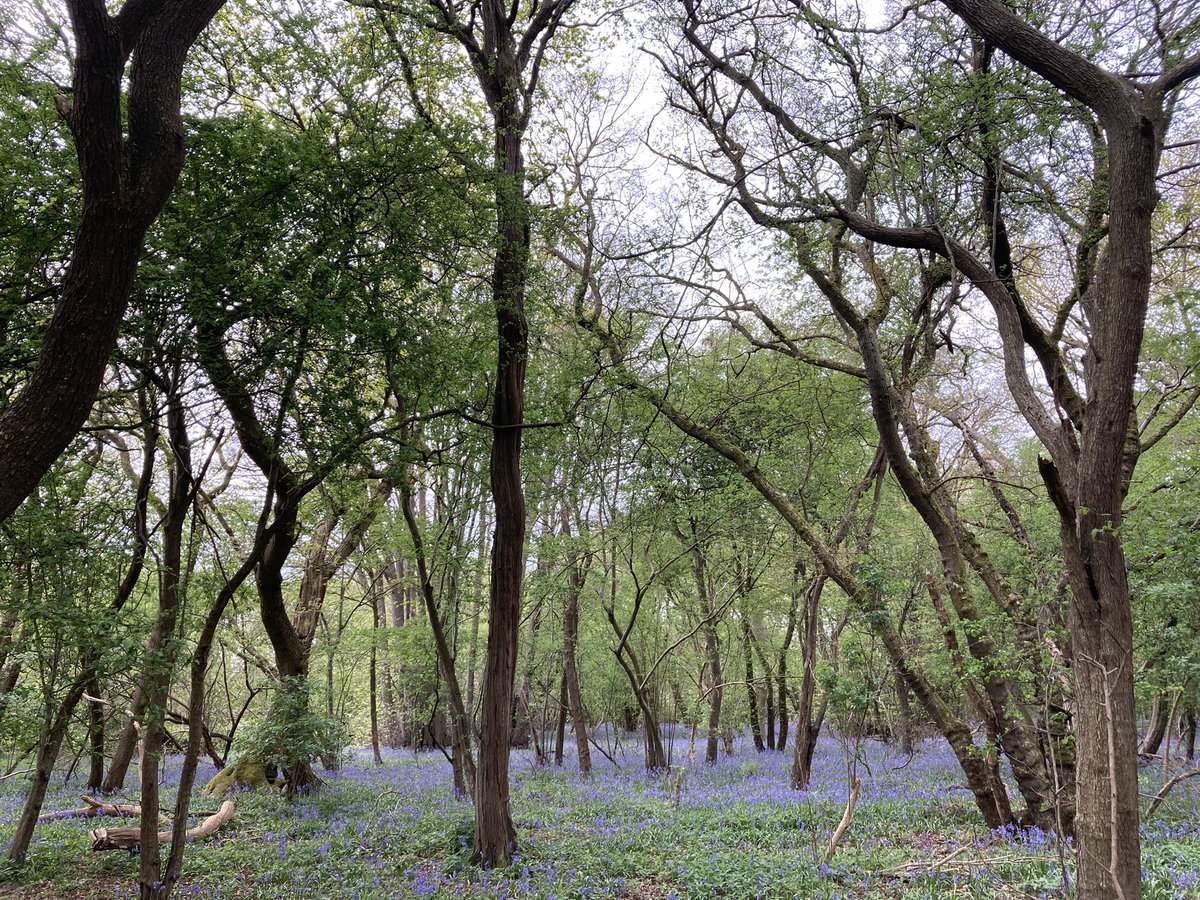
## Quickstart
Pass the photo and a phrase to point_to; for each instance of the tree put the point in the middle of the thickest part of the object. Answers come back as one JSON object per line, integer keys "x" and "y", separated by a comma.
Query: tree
{"x": 1092, "y": 457}
{"x": 506, "y": 49}
{"x": 129, "y": 146}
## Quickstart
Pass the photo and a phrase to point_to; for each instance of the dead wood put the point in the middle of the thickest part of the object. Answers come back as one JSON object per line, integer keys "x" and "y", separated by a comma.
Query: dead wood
{"x": 93, "y": 808}
{"x": 129, "y": 838}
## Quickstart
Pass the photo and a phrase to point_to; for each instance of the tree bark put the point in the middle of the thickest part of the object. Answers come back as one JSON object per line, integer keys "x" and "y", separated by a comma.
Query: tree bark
{"x": 808, "y": 728}
{"x": 460, "y": 723}
{"x": 130, "y": 155}
{"x": 376, "y": 602}
{"x": 47, "y": 754}
{"x": 751, "y": 689}
{"x": 126, "y": 745}
{"x": 95, "y": 734}
{"x": 162, "y": 650}
{"x": 715, "y": 689}
{"x": 1157, "y": 727}
{"x": 560, "y": 729}
{"x": 576, "y": 576}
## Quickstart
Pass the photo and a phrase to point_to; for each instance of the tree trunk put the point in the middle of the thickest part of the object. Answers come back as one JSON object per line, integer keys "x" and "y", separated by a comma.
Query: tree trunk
{"x": 95, "y": 736}
{"x": 476, "y": 615}
{"x": 560, "y": 730}
{"x": 904, "y": 726}
{"x": 751, "y": 691}
{"x": 47, "y": 755}
{"x": 162, "y": 650}
{"x": 576, "y": 575}
{"x": 130, "y": 153}
{"x": 196, "y": 701}
{"x": 769, "y": 699}
{"x": 376, "y": 602}
{"x": 460, "y": 728}
{"x": 503, "y": 79}
{"x": 1157, "y": 727}
{"x": 807, "y": 728}
{"x": 712, "y": 653}
{"x": 126, "y": 745}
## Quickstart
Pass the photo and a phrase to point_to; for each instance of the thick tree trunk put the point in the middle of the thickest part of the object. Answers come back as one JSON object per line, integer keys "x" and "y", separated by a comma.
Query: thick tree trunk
{"x": 126, "y": 745}
{"x": 130, "y": 155}
{"x": 95, "y": 735}
{"x": 1157, "y": 727}
{"x": 503, "y": 78}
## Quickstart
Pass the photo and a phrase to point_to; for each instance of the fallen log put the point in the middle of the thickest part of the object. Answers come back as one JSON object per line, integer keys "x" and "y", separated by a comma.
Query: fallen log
{"x": 129, "y": 838}
{"x": 93, "y": 808}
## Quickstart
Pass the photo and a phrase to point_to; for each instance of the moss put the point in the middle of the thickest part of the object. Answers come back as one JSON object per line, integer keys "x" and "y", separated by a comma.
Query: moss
{"x": 247, "y": 772}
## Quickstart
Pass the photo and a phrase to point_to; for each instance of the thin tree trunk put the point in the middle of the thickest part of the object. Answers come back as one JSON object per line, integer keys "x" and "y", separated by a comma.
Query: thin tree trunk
{"x": 807, "y": 726}
{"x": 460, "y": 728}
{"x": 560, "y": 730}
{"x": 476, "y": 613}
{"x": 576, "y": 577}
{"x": 571, "y": 676}
{"x": 376, "y": 602}
{"x": 904, "y": 727}
{"x": 751, "y": 692}
{"x": 162, "y": 650}
{"x": 47, "y": 755}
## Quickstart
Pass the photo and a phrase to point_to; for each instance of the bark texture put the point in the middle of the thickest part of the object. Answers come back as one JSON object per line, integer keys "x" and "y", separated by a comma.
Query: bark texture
{"x": 130, "y": 155}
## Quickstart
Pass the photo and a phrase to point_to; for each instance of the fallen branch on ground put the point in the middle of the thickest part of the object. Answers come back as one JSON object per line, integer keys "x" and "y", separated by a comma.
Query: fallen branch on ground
{"x": 909, "y": 869}
{"x": 93, "y": 808}
{"x": 129, "y": 838}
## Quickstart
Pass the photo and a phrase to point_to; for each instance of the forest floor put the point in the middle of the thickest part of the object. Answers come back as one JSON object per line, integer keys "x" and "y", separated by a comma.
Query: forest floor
{"x": 732, "y": 830}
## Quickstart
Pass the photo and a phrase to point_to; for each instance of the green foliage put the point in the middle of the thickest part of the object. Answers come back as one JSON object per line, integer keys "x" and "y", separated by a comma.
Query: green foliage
{"x": 294, "y": 732}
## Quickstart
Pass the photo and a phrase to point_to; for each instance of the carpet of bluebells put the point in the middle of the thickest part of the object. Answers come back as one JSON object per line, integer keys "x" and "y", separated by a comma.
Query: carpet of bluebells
{"x": 730, "y": 830}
